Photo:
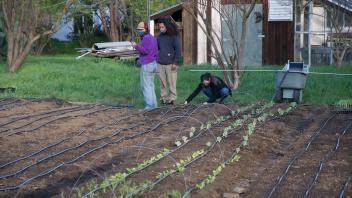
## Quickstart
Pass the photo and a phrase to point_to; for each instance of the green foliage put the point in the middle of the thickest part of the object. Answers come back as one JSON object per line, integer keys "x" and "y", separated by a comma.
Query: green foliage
{"x": 59, "y": 47}
{"x": 129, "y": 189}
{"x": 344, "y": 103}
{"x": 235, "y": 157}
{"x": 173, "y": 194}
{"x": 79, "y": 191}
{"x": 139, "y": 7}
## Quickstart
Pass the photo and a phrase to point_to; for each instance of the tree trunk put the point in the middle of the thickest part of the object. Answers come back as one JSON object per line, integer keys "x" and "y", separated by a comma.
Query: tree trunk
{"x": 114, "y": 34}
{"x": 23, "y": 27}
{"x": 111, "y": 26}
{"x": 103, "y": 18}
{"x": 235, "y": 73}
{"x": 40, "y": 45}
{"x": 340, "y": 57}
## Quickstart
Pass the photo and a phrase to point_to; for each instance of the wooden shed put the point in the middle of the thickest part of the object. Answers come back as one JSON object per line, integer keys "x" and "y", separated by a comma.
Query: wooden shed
{"x": 277, "y": 36}
{"x": 187, "y": 29}
{"x": 276, "y": 43}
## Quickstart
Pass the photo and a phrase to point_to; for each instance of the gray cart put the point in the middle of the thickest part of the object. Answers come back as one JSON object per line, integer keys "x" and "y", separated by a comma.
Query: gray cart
{"x": 291, "y": 81}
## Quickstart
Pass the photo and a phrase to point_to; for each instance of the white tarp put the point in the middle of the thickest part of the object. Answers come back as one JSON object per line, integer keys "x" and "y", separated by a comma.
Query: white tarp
{"x": 114, "y": 45}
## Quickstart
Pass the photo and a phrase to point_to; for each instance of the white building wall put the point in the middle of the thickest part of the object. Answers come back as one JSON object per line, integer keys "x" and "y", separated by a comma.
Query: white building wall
{"x": 216, "y": 24}
{"x": 202, "y": 38}
{"x": 318, "y": 26}
{"x": 65, "y": 30}
{"x": 202, "y": 43}
{"x": 151, "y": 27}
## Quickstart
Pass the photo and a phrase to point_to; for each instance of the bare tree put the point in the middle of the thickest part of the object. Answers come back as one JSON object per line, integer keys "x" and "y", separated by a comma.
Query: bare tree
{"x": 237, "y": 15}
{"x": 46, "y": 23}
{"x": 23, "y": 25}
{"x": 340, "y": 28}
{"x": 112, "y": 15}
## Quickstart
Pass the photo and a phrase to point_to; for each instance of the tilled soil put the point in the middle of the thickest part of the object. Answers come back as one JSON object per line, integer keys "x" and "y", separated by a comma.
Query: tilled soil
{"x": 53, "y": 148}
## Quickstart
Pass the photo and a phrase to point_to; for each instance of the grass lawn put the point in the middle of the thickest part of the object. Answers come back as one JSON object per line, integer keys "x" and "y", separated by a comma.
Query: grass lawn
{"x": 117, "y": 82}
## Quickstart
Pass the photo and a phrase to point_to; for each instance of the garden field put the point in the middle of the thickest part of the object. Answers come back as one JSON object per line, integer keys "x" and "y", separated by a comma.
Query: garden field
{"x": 52, "y": 148}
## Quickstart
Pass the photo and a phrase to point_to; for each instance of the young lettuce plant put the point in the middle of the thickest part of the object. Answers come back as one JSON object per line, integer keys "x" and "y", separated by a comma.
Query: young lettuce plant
{"x": 235, "y": 157}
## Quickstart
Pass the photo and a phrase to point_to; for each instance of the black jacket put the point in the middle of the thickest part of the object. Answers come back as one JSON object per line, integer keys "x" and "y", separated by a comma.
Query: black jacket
{"x": 214, "y": 88}
{"x": 169, "y": 49}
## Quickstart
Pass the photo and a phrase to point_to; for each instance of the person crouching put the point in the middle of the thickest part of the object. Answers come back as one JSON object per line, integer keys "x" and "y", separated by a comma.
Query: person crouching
{"x": 213, "y": 87}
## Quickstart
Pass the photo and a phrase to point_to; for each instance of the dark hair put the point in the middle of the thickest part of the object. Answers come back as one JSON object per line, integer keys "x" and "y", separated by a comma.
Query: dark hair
{"x": 209, "y": 77}
{"x": 170, "y": 25}
{"x": 146, "y": 27}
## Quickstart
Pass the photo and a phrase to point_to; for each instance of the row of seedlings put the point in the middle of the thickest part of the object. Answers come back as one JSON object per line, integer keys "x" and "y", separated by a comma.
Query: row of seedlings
{"x": 235, "y": 157}
{"x": 118, "y": 178}
{"x": 181, "y": 165}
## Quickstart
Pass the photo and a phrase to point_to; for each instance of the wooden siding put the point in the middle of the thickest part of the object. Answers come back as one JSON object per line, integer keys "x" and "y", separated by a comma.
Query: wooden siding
{"x": 189, "y": 38}
{"x": 187, "y": 31}
{"x": 278, "y": 44}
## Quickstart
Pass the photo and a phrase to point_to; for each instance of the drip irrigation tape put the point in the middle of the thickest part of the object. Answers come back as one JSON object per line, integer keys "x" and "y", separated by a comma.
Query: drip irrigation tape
{"x": 56, "y": 119}
{"x": 22, "y": 117}
{"x": 15, "y": 105}
{"x": 298, "y": 155}
{"x": 59, "y": 142}
{"x": 326, "y": 158}
{"x": 193, "y": 188}
{"x": 96, "y": 189}
{"x": 156, "y": 182}
{"x": 50, "y": 170}
{"x": 188, "y": 163}
{"x": 38, "y": 119}
{"x": 5, "y": 106}
{"x": 345, "y": 187}
{"x": 40, "y": 150}
{"x": 4, "y": 99}
{"x": 61, "y": 152}
{"x": 63, "y": 140}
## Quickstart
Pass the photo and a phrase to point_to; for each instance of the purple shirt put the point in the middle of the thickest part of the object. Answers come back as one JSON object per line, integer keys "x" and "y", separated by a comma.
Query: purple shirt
{"x": 148, "y": 50}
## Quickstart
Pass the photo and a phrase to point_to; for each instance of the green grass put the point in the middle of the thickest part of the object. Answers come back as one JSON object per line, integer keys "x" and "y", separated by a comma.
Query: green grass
{"x": 117, "y": 82}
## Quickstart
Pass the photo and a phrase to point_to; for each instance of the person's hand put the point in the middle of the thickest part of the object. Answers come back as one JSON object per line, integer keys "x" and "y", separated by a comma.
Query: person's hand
{"x": 186, "y": 103}
{"x": 134, "y": 44}
{"x": 173, "y": 67}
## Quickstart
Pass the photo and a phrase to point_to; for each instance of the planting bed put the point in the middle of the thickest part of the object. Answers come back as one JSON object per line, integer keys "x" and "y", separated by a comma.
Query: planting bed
{"x": 51, "y": 148}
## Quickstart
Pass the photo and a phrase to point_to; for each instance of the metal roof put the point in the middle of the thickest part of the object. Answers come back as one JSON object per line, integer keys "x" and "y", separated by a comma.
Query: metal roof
{"x": 347, "y": 4}
{"x": 167, "y": 11}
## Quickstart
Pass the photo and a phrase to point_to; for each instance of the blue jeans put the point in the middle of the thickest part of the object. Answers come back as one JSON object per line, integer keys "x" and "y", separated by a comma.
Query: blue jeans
{"x": 147, "y": 84}
{"x": 213, "y": 96}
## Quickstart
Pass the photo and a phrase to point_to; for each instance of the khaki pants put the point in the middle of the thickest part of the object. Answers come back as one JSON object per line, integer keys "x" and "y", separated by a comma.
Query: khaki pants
{"x": 166, "y": 75}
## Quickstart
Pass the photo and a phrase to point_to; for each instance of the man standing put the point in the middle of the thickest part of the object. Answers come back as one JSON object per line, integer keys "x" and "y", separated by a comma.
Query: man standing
{"x": 169, "y": 56}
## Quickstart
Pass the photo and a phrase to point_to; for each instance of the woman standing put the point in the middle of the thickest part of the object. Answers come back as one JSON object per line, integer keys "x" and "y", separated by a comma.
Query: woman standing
{"x": 169, "y": 56}
{"x": 148, "y": 50}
